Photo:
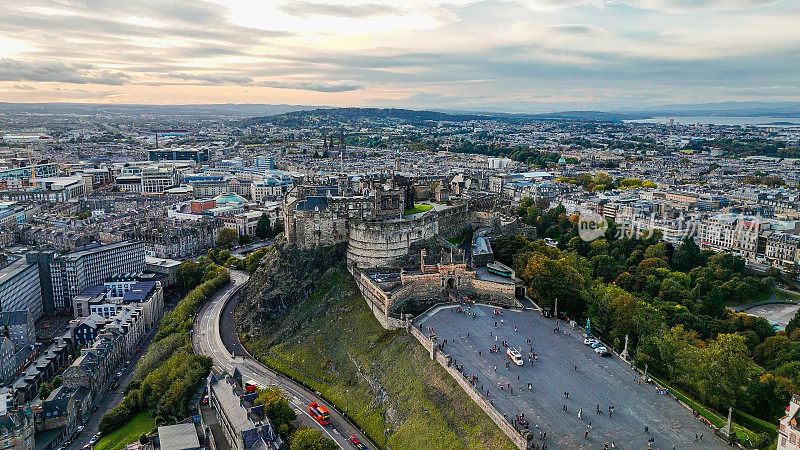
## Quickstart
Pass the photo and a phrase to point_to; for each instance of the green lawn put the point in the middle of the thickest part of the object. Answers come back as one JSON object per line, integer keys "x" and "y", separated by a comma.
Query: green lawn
{"x": 787, "y": 296}
{"x": 417, "y": 209}
{"x": 141, "y": 423}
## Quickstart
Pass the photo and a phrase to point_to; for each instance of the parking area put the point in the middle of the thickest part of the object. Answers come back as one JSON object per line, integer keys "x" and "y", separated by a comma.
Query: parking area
{"x": 564, "y": 365}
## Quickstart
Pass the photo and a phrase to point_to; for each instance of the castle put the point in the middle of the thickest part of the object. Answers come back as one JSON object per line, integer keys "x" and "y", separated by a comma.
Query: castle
{"x": 368, "y": 214}
{"x": 397, "y": 255}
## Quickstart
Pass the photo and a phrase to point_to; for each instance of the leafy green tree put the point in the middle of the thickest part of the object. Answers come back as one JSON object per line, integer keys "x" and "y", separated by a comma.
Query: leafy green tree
{"x": 723, "y": 370}
{"x": 276, "y": 407}
{"x": 262, "y": 227}
{"x": 227, "y": 238}
{"x": 44, "y": 391}
{"x": 245, "y": 240}
{"x": 794, "y": 323}
{"x": 550, "y": 278}
{"x": 308, "y": 439}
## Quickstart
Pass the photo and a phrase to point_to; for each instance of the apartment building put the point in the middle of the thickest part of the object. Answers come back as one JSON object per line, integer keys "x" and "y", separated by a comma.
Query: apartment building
{"x": 90, "y": 266}
{"x": 789, "y": 427}
{"x": 20, "y": 287}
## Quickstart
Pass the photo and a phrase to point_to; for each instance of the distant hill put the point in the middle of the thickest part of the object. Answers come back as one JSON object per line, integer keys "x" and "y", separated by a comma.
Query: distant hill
{"x": 224, "y": 109}
{"x": 336, "y": 116}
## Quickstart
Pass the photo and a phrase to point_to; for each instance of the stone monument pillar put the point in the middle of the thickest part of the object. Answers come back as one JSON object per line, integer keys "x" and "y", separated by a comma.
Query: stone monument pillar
{"x": 624, "y": 353}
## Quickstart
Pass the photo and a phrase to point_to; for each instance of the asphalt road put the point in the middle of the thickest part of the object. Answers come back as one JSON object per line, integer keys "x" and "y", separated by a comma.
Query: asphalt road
{"x": 112, "y": 398}
{"x": 207, "y": 339}
{"x": 603, "y": 381}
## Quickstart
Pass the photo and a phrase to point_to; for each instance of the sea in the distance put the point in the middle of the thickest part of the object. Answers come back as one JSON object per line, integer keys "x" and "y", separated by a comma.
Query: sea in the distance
{"x": 724, "y": 120}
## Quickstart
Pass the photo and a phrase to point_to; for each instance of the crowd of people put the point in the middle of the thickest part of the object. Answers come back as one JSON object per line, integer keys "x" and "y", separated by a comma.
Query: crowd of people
{"x": 520, "y": 422}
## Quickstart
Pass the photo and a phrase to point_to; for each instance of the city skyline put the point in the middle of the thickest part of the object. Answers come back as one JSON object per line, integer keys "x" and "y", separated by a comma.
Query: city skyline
{"x": 527, "y": 56}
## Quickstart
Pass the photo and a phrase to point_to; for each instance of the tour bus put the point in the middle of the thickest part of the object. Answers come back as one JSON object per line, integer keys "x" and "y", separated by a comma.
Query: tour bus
{"x": 319, "y": 413}
{"x": 514, "y": 355}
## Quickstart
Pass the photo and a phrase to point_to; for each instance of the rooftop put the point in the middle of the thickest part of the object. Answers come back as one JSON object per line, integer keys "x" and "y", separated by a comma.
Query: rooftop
{"x": 182, "y": 436}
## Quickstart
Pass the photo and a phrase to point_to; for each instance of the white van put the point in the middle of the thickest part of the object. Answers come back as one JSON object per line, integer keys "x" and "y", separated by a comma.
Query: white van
{"x": 515, "y": 356}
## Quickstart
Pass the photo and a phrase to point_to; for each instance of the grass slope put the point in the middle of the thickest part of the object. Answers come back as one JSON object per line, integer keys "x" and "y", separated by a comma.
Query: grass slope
{"x": 131, "y": 432}
{"x": 382, "y": 379}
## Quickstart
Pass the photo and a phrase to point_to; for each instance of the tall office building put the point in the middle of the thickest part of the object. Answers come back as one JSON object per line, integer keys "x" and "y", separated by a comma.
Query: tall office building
{"x": 90, "y": 266}
{"x": 20, "y": 288}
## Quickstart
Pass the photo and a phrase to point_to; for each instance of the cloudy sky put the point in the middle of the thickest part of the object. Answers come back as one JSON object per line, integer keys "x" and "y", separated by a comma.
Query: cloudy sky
{"x": 516, "y": 55}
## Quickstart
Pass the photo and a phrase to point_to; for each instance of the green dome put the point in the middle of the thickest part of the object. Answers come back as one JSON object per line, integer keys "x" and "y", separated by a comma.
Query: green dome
{"x": 227, "y": 197}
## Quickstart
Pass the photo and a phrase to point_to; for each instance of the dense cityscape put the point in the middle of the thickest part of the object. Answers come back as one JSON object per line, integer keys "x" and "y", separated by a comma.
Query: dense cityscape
{"x": 664, "y": 253}
{"x": 415, "y": 225}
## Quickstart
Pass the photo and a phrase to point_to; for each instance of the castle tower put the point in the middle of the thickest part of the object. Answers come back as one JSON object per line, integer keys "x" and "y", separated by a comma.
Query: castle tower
{"x": 397, "y": 161}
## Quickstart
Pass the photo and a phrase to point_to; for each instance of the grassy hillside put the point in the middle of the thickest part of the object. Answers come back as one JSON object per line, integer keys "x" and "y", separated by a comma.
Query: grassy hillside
{"x": 383, "y": 379}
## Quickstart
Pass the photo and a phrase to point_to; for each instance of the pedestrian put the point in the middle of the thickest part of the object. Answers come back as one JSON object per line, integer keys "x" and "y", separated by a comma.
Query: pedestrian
{"x": 576, "y": 368}
{"x": 585, "y": 434}
{"x": 646, "y": 429}
{"x": 580, "y": 413}
{"x": 701, "y": 437}
{"x": 613, "y": 444}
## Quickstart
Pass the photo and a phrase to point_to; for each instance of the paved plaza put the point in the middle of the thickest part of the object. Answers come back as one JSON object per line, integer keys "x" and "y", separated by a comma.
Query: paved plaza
{"x": 780, "y": 313}
{"x": 603, "y": 381}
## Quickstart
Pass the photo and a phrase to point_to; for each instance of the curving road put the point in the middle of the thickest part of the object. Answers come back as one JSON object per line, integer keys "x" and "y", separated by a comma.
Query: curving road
{"x": 207, "y": 339}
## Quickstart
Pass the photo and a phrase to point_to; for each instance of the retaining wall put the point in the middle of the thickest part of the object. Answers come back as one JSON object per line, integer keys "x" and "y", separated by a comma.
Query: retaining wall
{"x": 444, "y": 360}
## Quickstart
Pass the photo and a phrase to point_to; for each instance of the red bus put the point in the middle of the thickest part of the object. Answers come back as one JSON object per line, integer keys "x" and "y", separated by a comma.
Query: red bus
{"x": 319, "y": 413}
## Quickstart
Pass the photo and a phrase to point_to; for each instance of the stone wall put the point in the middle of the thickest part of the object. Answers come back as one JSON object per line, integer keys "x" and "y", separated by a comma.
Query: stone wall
{"x": 386, "y": 243}
{"x": 383, "y": 244}
{"x": 429, "y": 343}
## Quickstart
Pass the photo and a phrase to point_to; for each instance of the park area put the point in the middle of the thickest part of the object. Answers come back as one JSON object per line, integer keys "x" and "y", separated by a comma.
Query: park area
{"x": 564, "y": 365}
{"x": 141, "y": 423}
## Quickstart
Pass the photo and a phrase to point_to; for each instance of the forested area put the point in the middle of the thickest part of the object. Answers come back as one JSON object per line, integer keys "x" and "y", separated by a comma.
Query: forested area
{"x": 670, "y": 302}
{"x": 169, "y": 374}
{"x": 602, "y": 181}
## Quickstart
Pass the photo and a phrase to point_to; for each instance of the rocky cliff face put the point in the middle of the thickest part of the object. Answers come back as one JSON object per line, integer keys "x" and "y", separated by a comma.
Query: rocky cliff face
{"x": 302, "y": 315}
{"x": 285, "y": 278}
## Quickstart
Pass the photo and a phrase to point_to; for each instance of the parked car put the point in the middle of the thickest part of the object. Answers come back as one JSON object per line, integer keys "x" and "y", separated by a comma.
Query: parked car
{"x": 590, "y": 341}
{"x": 77, "y": 431}
{"x": 354, "y": 440}
{"x": 94, "y": 439}
{"x": 602, "y": 351}
{"x": 597, "y": 344}
{"x": 361, "y": 446}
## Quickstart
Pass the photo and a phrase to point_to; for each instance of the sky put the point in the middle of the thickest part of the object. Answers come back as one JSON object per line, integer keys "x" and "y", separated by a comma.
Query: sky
{"x": 509, "y": 55}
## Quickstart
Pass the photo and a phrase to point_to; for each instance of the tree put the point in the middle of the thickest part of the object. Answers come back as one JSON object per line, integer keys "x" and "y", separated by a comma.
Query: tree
{"x": 794, "y": 323}
{"x": 57, "y": 382}
{"x": 227, "y": 238}
{"x": 44, "y": 391}
{"x": 276, "y": 407}
{"x": 308, "y": 439}
{"x": 262, "y": 227}
{"x": 245, "y": 240}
